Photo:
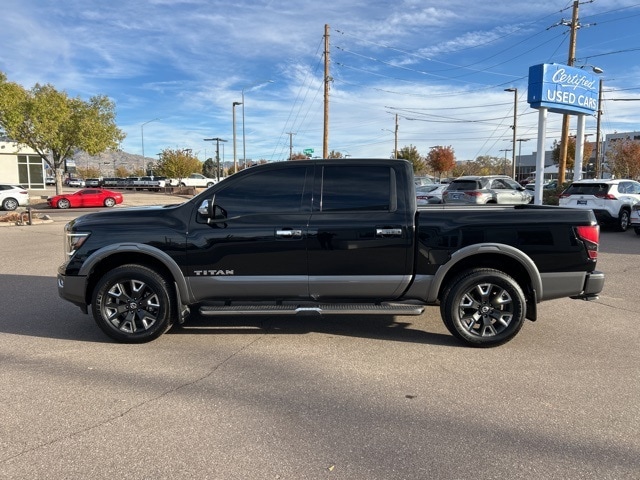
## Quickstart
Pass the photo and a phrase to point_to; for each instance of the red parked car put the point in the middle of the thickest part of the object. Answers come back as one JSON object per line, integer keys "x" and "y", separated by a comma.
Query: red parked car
{"x": 87, "y": 197}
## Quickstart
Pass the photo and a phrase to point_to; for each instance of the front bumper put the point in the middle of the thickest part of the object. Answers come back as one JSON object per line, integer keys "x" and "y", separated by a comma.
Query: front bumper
{"x": 72, "y": 289}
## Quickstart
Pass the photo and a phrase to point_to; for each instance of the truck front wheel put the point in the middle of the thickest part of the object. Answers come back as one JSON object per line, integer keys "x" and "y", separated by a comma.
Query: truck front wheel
{"x": 133, "y": 304}
{"x": 483, "y": 307}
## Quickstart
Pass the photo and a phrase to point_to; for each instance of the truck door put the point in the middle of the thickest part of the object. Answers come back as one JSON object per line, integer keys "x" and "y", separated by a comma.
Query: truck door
{"x": 259, "y": 251}
{"x": 360, "y": 237}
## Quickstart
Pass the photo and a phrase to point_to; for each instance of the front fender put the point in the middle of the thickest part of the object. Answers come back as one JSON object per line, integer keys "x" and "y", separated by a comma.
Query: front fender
{"x": 104, "y": 253}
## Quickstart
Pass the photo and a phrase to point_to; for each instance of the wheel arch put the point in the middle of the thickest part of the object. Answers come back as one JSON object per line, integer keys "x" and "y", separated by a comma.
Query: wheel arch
{"x": 501, "y": 257}
{"x": 113, "y": 256}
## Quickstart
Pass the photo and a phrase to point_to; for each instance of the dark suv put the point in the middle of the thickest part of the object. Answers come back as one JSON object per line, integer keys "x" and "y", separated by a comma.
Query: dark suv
{"x": 477, "y": 189}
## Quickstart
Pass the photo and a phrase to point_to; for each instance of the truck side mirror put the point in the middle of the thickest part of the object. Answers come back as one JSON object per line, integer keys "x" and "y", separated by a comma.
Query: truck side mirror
{"x": 212, "y": 211}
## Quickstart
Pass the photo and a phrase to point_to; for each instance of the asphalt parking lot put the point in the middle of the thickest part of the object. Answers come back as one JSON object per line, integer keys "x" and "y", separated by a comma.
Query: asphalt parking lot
{"x": 312, "y": 398}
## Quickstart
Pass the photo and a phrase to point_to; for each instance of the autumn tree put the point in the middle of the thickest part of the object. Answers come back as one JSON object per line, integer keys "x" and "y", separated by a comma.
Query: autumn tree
{"x": 623, "y": 157}
{"x": 55, "y": 125}
{"x": 299, "y": 156}
{"x": 335, "y": 154}
{"x": 411, "y": 153}
{"x": 441, "y": 159}
{"x": 177, "y": 164}
{"x": 88, "y": 172}
{"x": 571, "y": 152}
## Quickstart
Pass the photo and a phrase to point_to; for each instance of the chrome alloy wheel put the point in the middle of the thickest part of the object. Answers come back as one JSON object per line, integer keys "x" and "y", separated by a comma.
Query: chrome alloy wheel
{"x": 131, "y": 306}
{"x": 486, "y": 310}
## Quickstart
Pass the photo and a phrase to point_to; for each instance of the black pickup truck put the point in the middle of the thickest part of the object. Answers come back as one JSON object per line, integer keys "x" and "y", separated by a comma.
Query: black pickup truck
{"x": 327, "y": 237}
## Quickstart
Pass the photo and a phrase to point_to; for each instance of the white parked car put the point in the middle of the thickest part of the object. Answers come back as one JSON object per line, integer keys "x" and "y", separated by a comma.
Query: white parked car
{"x": 487, "y": 189}
{"x": 13, "y": 196}
{"x": 634, "y": 219}
{"x": 76, "y": 183}
{"x": 610, "y": 200}
{"x": 430, "y": 194}
{"x": 194, "y": 180}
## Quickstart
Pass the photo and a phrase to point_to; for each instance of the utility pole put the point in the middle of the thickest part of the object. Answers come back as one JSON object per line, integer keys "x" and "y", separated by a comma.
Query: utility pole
{"x": 395, "y": 147}
{"x": 217, "y": 140}
{"x": 564, "y": 141}
{"x": 327, "y": 79}
{"x": 514, "y": 127}
{"x": 291, "y": 134}
{"x": 598, "y": 152}
{"x": 235, "y": 157}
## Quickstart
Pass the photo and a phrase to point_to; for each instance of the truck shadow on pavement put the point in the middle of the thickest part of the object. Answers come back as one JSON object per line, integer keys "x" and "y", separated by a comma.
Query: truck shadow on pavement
{"x": 382, "y": 327}
{"x": 31, "y": 306}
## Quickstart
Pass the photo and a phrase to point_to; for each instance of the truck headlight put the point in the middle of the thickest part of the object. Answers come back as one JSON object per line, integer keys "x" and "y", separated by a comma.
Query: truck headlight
{"x": 73, "y": 241}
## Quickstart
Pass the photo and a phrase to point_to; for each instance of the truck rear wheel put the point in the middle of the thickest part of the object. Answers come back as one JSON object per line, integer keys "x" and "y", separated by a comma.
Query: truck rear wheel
{"x": 483, "y": 307}
{"x": 133, "y": 304}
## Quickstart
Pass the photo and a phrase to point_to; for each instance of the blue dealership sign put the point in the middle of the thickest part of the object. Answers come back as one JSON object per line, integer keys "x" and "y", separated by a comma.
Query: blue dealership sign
{"x": 562, "y": 89}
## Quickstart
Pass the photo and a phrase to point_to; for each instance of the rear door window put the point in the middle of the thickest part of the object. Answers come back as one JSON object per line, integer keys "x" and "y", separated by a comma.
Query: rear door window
{"x": 463, "y": 185}
{"x": 595, "y": 189}
{"x": 348, "y": 188}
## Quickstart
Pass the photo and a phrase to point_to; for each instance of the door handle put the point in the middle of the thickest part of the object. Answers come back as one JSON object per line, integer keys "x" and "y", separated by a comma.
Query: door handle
{"x": 289, "y": 233}
{"x": 388, "y": 232}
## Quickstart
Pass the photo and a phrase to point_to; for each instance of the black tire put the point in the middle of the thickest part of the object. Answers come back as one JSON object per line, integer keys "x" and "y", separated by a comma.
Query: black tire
{"x": 133, "y": 304}
{"x": 63, "y": 203}
{"x": 623, "y": 220}
{"x": 109, "y": 202}
{"x": 9, "y": 204}
{"x": 483, "y": 307}
{"x": 210, "y": 184}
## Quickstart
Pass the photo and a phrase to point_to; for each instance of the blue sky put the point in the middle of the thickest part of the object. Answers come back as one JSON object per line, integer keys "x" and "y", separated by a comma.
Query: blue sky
{"x": 174, "y": 68}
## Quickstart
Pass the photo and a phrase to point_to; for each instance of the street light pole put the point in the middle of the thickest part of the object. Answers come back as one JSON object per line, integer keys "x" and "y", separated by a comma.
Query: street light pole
{"x": 235, "y": 157}
{"x": 217, "y": 140}
{"x": 504, "y": 167}
{"x": 520, "y": 140}
{"x": 142, "y": 132}
{"x": 514, "y": 126}
{"x": 244, "y": 143}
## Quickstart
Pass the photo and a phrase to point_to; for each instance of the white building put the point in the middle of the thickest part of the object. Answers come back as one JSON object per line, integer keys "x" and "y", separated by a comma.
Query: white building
{"x": 21, "y": 165}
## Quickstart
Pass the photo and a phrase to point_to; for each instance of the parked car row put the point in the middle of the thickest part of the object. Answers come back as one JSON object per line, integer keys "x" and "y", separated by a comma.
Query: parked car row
{"x": 137, "y": 183}
{"x": 614, "y": 202}
{"x": 474, "y": 190}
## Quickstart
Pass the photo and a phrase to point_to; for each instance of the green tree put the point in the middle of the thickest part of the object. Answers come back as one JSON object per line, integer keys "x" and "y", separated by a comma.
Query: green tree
{"x": 411, "y": 153}
{"x": 441, "y": 159}
{"x": 623, "y": 158}
{"x": 54, "y": 125}
{"x": 209, "y": 168}
{"x": 489, "y": 165}
{"x": 122, "y": 172}
{"x": 177, "y": 164}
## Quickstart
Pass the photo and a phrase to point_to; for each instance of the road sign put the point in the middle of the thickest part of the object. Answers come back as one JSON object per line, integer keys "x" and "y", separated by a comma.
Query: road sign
{"x": 308, "y": 151}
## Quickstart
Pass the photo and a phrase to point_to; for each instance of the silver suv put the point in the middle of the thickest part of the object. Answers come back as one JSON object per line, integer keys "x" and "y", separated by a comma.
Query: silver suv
{"x": 476, "y": 189}
{"x": 610, "y": 200}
